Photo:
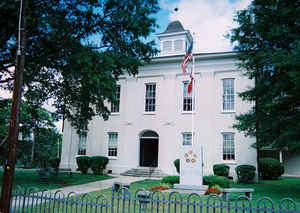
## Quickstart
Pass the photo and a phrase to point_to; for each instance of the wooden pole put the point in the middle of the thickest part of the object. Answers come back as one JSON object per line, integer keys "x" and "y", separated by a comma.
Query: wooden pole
{"x": 9, "y": 167}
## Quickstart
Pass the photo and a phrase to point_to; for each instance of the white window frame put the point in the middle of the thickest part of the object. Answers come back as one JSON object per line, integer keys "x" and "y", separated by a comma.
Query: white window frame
{"x": 112, "y": 145}
{"x": 187, "y": 139}
{"x": 228, "y": 97}
{"x": 182, "y": 45}
{"x": 115, "y": 108}
{"x": 187, "y": 99}
{"x": 82, "y": 144}
{"x": 228, "y": 146}
{"x": 150, "y": 108}
{"x": 171, "y": 46}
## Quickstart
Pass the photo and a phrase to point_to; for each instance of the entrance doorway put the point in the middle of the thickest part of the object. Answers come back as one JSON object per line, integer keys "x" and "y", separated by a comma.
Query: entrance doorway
{"x": 149, "y": 149}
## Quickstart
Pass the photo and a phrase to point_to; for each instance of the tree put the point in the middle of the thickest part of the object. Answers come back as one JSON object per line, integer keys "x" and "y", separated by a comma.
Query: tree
{"x": 76, "y": 50}
{"x": 268, "y": 45}
{"x": 34, "y": 121}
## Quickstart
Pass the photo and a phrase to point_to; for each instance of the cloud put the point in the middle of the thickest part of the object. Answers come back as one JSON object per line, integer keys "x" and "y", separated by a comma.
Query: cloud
{"x": 210, "y": 20}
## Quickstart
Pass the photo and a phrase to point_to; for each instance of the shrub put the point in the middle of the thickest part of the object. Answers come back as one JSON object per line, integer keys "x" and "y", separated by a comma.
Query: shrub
{"x": 170, "y": 180}
{"x": 270, "y": 168}
{"x": 245, "y": 173}
{"x": 177, "y": 165}
{"x": 221, "y": 170}
{"x": 83, "y": 163}
{"x": 213, "y": 180}
{"x": 98, "y": 164}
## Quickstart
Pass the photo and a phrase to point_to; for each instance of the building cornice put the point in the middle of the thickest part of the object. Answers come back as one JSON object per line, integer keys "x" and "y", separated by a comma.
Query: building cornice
{"x": 198, "y": 56}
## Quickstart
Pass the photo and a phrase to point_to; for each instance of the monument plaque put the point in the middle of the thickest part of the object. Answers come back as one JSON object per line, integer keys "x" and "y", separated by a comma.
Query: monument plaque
{"x": 191, "y": 177}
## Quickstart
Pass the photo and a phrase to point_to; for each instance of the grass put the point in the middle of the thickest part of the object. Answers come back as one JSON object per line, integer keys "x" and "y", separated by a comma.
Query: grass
{"x": 30, "y": 178}
{"x": 285, "y": 187}
{"x": 275, "y": 189}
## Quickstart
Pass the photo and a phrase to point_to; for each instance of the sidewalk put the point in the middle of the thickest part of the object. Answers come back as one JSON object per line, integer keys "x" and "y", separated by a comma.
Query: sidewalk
{"x": 78, "y": 189}
{"x": 98, "y": 185}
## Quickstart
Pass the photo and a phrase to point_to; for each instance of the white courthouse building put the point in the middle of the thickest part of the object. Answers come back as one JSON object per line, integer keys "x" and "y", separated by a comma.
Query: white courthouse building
{"x": 153, "y": 119}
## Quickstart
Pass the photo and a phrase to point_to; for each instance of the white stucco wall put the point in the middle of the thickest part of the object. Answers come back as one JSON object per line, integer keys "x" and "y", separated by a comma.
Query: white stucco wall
{"x": 169, "y": 121}
{"x": 291, "y": 164}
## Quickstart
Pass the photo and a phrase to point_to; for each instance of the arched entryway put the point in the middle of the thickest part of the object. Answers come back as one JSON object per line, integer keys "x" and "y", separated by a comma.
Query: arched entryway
{"x": 149, "y": 149}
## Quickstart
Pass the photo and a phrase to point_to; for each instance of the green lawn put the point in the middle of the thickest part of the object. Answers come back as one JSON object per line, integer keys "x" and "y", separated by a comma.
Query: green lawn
{"x": 30, "y": 178}
{"x": 275, "y": 189}
{"x": 285, "y": 187}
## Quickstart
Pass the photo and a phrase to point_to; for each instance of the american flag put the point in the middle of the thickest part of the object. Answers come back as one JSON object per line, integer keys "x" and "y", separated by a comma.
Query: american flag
{"x": 187, "y": 57}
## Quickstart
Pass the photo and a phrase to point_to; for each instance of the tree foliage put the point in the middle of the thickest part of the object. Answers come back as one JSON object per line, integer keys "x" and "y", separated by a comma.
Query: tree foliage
{"x": 33, "y": 121}
{"x": 268, "y": 45}
{"x": 76, "y": 50}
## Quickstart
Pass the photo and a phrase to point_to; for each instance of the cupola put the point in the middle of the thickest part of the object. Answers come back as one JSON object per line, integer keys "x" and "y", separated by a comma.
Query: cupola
{"x": 174, "y": 40}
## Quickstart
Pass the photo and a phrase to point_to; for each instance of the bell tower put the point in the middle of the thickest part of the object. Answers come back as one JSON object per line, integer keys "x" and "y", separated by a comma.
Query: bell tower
{"x": 174, "y": 40}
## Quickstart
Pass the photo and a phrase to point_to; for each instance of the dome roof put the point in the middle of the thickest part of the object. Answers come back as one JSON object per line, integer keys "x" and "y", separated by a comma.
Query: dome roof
{"x": 173, "y": 27}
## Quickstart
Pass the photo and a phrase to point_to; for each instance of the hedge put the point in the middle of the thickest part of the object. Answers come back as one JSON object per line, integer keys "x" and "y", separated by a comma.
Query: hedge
{"x": 221, "y": 170}
{"x": 245, "y": 173}
{"x": 98, "y": 164}
{"x": 177, "y": 165}
{"x": 170, "y": 180}
{"x": 83, "y": 163}
{"x": 213, "y": 180}
{"x": 270, "y": 168}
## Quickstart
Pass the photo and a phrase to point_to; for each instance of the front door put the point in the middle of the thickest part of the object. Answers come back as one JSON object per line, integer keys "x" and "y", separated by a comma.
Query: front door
{"x": 148, "y": 152}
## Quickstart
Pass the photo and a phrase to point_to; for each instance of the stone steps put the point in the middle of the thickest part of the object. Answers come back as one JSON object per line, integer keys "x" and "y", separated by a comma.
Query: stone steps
{"x": 144, "y": 172}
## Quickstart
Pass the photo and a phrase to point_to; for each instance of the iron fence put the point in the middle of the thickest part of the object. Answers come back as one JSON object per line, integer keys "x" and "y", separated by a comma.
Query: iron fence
{"x": 140, "y": 201}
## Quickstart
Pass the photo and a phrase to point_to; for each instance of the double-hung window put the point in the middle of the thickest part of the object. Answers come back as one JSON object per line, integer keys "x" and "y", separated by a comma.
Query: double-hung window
{"x": 228, "y": 94}
{"x": 82, "y": 145}
{"x": 187, "y": 139}
{"x": 112, "y": 144}
{"x": 167, "y": 46}
{"x": 178, "y": 45}
{"x": 228, "y": 146}
{"x": 150, "y": 97}
{"x": 115, "y": 108}
{"x": 187, "y": 98}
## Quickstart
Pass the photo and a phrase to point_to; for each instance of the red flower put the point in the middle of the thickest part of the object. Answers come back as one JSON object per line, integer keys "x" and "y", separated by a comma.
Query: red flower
{"x": 212, "y": 190}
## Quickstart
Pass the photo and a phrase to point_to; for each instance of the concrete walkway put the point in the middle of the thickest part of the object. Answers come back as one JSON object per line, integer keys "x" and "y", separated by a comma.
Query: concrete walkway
{"x": 98, "y": 185}
{"x": 17, "y": 202}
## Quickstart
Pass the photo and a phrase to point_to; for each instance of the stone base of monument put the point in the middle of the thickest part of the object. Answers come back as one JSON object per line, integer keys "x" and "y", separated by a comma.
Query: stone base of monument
{"x": 191, "y": 187}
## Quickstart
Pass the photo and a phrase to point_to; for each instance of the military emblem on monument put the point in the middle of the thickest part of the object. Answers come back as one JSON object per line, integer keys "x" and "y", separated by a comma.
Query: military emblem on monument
{"x": 190, "y": 157}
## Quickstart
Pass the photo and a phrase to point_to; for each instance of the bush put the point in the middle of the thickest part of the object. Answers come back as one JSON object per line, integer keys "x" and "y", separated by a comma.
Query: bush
{"x": 98, "y": 164}
{"x": 213, "y": 180}
{"x": 83, "y": 163}
{"x": 270, "y": 168}
{"x": 177, "y": 165}
{"x": 245, "y": 173}
{"x": 221, "y": 170}
{"x": 170, "y": 180}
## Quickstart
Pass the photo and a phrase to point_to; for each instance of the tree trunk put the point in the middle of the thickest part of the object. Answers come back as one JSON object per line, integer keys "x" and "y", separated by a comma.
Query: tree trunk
{"x": 9, "y": 168}
{"x": 32, "y": 148}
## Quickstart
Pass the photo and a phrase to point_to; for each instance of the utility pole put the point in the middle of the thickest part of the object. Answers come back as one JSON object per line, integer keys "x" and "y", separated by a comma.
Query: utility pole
{"x": 9, "y": 167}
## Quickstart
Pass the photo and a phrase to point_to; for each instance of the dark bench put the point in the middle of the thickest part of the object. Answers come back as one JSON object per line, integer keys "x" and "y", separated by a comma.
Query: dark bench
{"x": 65, "y": 171}
{"x": 226, "y": 192}
{"x": 118, "y": 185}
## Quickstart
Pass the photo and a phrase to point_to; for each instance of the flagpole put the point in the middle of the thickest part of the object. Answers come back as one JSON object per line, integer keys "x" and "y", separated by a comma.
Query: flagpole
{"x": 193, "y": 92}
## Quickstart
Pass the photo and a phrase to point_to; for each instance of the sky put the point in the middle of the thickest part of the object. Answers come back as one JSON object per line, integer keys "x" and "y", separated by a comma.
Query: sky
{"x": 210, "y": 20}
